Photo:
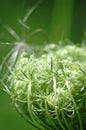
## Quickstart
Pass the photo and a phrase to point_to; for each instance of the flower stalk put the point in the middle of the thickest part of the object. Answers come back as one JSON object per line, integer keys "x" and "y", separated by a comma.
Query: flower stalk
{"x": 61, "y": 20}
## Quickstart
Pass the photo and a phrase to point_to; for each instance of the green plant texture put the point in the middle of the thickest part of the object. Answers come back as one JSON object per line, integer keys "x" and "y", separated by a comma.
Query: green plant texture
{"x": 48, "y": 88}
{"x": 46, "y": 82}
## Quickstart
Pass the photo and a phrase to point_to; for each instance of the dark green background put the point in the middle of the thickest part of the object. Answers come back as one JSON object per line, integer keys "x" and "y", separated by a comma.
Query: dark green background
{"x": 10, "y": 12}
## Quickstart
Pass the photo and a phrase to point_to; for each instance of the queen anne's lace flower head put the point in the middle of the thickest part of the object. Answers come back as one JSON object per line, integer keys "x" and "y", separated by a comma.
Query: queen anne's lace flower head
{"x": 49, "y": 88}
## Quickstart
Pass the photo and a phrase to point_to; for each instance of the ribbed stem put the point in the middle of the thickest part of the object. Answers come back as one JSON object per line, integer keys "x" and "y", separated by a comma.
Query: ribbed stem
{"x": 61, "y": 19}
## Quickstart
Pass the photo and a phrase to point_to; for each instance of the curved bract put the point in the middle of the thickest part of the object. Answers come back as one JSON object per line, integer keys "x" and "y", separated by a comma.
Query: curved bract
{"x": 49, "y": 88}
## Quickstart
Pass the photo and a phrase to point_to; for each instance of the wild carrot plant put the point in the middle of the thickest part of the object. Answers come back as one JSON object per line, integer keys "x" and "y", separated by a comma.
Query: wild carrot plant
{"x": 47, "y": 83}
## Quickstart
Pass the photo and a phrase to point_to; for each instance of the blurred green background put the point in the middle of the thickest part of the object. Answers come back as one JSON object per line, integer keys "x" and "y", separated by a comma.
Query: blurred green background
{"x": 48, "y": 16}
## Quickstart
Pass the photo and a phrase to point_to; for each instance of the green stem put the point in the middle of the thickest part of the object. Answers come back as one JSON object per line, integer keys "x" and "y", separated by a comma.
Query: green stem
{"x": 77, "y": 112}
{"x": 35, "y": 119}
{"x": 75, "y": 106}
{"x": 30, "y": 108}
{"x": 65, "y": 121}
{"x": 54, "y": 89}
{"x": 61, "y": 19}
